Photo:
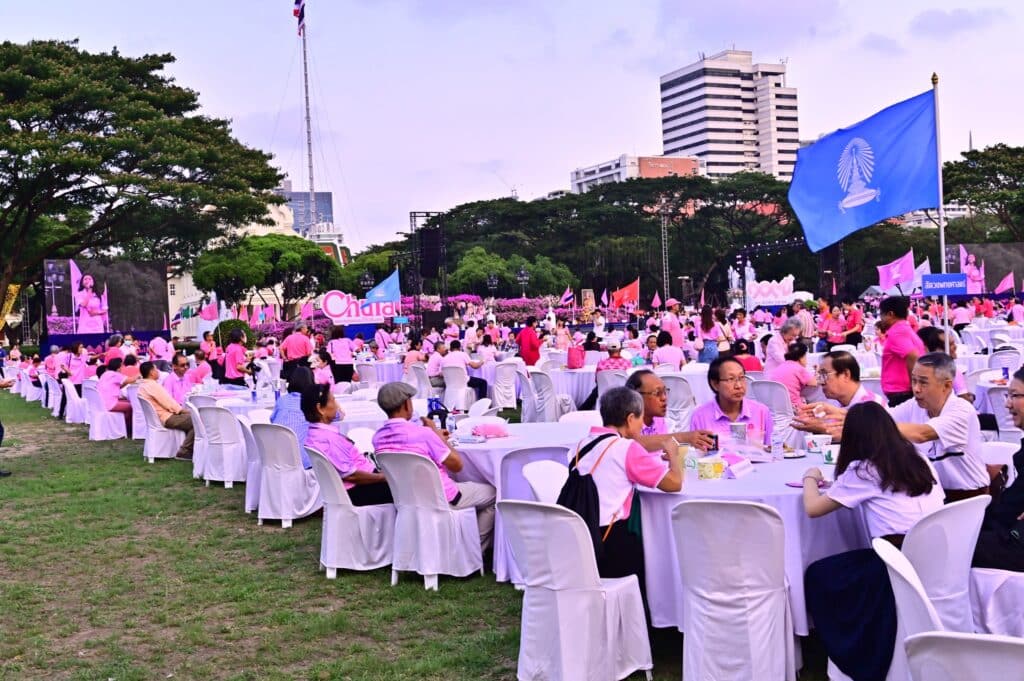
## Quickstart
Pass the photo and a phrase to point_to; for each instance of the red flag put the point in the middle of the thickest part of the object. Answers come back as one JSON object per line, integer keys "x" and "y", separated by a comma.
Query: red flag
{"x": 627, "y": 294}
{"x": 1006, "y": 284}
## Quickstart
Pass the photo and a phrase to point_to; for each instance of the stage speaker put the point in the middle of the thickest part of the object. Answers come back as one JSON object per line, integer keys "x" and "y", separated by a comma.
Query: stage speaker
{"x": 430, "y": 252}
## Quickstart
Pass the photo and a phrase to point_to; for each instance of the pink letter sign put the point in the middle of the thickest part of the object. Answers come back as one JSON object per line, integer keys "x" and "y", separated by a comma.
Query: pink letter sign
{"x": 344, "y": 308}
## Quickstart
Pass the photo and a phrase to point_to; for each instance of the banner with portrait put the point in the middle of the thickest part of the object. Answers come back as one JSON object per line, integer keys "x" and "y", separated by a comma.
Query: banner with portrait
{"x": 985, "y": 264}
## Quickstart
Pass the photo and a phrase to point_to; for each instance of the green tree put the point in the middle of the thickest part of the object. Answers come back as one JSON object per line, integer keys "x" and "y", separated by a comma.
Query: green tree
{"x": 376, "y": 262}
{"x": 290, "y": 266}
{"x": 990, "y": 180}
{"x": 105, "y": 153}
{"x": 475, "y": 266}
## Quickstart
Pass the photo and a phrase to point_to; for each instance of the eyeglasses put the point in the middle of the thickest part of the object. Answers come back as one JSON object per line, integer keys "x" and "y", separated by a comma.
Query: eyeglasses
{"x": 734, "y": 380}
{"x": 823, "y": 375}
{"x": 1014, "y": 396}
{"x": 661, "y": 392}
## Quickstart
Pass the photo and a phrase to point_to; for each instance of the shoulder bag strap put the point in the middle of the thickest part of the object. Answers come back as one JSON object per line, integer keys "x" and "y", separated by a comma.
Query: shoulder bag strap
{"x": 590, "y": 445}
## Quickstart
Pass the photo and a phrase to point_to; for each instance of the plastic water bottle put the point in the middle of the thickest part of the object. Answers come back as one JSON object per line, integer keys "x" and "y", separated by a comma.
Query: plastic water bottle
{"x": 778, "y": 452}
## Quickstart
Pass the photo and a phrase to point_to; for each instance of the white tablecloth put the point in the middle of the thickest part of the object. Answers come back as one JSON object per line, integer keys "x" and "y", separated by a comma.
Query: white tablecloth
{"x": 1013, "y": 332}
{"x": 968, "y": 363}
{"x": 389, "y": 370}
{"x": 366, "y": 414}
{"x": 576, "y": 383}
{"x": 241, "y": 406}
{"x": 981, "y": 399}
{"x": 996, "y": 596}
{"x": 482, "y": 463}
{"x": 807, "y": 539}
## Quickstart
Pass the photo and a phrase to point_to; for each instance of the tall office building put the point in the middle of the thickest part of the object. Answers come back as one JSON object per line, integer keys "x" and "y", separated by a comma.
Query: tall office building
{"x": 732, "y": 114}
{"x": 299, "y": 203}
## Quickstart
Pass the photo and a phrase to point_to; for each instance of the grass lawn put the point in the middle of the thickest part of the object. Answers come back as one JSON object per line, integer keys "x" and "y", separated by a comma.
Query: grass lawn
{"x": 112, "y": 568}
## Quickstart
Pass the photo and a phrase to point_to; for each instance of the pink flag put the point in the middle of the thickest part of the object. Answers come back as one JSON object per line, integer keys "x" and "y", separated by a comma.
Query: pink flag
{"x": 165, "y": 322}
{"x": 243, "y": 313}
{"x": 209, "y": 313}
{"x": 307, "y": 311}
{"x": 657, "y": 300}
{"x": 1006, "y": 284}
{"x": 254, "y": 318}
{"x": 271, "y": 311}
{"x": 899, "y": 271}
{"x": 833, "y": 287}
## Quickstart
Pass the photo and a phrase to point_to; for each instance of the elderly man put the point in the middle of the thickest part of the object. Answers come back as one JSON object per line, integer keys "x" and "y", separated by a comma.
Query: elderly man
{"x": 399, "y": 434}
{"x": 775, "y": 352}
{"x": 456, "y": 357}
{"x": 654, "y": 435}
{"x": 839, "y": 378}
{"x": 803, "y": 315}
{"x": 167, "y": 409}
{"x": 295, "y": 350}
{"x": 176, "y": 383}
{"x": 434, "y": 364}
{"x": 901, "y": 350}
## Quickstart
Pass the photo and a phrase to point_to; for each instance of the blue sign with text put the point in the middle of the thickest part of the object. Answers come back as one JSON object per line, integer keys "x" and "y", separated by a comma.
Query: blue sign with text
{"x": 944, "y": 285}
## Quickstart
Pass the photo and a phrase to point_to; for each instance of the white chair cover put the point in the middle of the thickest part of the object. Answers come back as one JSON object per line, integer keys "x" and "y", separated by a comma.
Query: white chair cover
{"x": 363, "y": 439}
{"x": 546, "y": 478}
{"x": 575, "y": 625}
{"x": 367, "y": 374}
{"x": 103, "y": 424}
{"x": 1008, "y": 432}
{"x": 202, "y": 401}
{"x": 457, "y": 393}
{"x": 503, "y": 392}
{"x": 774, "y": 395}
{"x": 551, "y": 406}
{"x": 140, "y": 428}
{"x": 996, "y": 596}
{"x": 200, "y": 442}
{"x": 937, "y": 656}
{"x": 341, "y": 388}
{"x": 259, "y": 416}
{"x": 754, "y": 375}
{"x": 590, "y": 417}
{"x": 681, "y": 403}
{"x": 30, "y": 392}
{"x": 844, "y": 347}
{"x": 423, "y": 388}
{"x": 737, "y": 619}
{"x": 75, "y": 409}
{"x": 874, "y": 385}
{"x": 287, "y": 491}
{"x": 609, "y": 379}
{"x": 56, "y": 392}
{"x": 161, "y": 443}
{"x": 940, "y": 547}
{"x": 1009, "y": 358}
{"x": 253, "y": 466}
{"x": 431, "y": 537}
{"x": 353, "y": 537}
{"x": 514, "y": 484}
{"x": 914, "y": 612}
{"x": 529, "y": 412}
{"x": 971, "y": 378}
{"x": 665, "y": 369}
{"x": 225, "y": 449}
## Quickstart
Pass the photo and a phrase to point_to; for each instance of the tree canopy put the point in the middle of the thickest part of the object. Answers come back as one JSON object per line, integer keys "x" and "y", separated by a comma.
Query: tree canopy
{"x": 105, "y": 154}
{"x": 990, "y": 180}
{"x": 291, "y": 266}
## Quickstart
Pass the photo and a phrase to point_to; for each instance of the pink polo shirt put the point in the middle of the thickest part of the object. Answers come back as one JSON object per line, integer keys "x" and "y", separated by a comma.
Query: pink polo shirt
{"x": 200, "y": 373}
{"x": 177, "y": 387}
{"x": 295, "y": 346}
{"x": 900, "y": 341}
{"x": 434, "y": 364}
{"x": 76, "y": 367}
{"x": 709, "y": 416}
{"x": 340, "y": 350}
{"x": 795, "y": 376}
{"x": 668, "y": 354}
{"x": 233, "y": 356}
{"x": 399, "y": 435}
{"x": 109, "y": 388}
{"x": 112, "y": 353}
{"x": 339, "y": 451}
{"x": 455, "y": 358}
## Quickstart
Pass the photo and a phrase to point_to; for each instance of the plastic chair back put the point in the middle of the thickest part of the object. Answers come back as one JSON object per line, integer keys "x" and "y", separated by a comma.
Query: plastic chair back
{"x": 515, "y": 484}
{"x": 480, "y": 407}
{"x": 546, "y": 478}
{"x": 940, "y": 547}
{"x": 1008, "y": 431}
{"x": 203, "y": 401}
{"x": 419, "y": 373}
{"x": 222, "y": 428}
{"x": 1008, "y": 358}
{"x": 609, "y": 379}
{"x": 592, "y": 357}
{"x": 681, "y": 402}
{"x": 504, "y": 388}
{"x": 414, "y": 480}
{"x": 551, "y": 545}
{"x": 544, "y": 389}
{"x": 367, "y": 372}
{"x": 278, "y": 446}
{"x": 914, "y": 611}
{"x": 332, "y": 488}
{"x": 149, "y": 414}
{"x": 363, "y": 439}
{"x": 588, "y": 417}
{"x": 949, "y": 656}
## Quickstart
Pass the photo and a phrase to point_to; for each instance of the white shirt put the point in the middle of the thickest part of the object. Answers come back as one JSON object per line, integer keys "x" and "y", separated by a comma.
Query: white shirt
{"x": 957, "y": 453}
{"x": 775, "y": 352}
{"x": 456, "y": 358}
{"x": 862, "y": 395}
{"x": 886, "y": 512}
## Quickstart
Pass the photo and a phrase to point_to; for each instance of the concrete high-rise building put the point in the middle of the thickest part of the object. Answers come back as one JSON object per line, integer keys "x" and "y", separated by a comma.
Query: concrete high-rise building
{"x": 732, "y": 114}
{"x": 299, "y": 203}
{"x": 626, "y": 167}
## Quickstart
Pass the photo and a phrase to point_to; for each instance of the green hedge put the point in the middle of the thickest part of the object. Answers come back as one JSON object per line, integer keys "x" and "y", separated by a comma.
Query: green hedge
{"x": 224, "y": 329}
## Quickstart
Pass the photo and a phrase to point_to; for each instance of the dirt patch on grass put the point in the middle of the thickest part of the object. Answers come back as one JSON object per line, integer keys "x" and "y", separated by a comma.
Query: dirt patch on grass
{"x": 35, "y": 438}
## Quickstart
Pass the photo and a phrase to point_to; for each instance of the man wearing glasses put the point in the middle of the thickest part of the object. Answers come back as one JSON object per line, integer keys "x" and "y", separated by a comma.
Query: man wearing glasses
{"x": 839, "y": 378}
{"x": 654, "y": 434}
{"x": 176, "y": 383}
{"x": 728, "y": 382}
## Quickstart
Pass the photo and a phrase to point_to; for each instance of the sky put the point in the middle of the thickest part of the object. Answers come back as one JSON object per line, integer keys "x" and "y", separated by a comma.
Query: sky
{"x": 425, "y": 104}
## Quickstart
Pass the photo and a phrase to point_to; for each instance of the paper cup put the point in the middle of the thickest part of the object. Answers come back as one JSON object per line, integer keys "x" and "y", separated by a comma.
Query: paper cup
{"x": 816, "y": 443}
{"x": 830, "y": 454}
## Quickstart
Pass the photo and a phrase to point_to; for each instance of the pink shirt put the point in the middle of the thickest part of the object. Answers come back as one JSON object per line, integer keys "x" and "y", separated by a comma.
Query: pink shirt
{"x": 177, "y": 387}
{"x": 668, "y": 354}
{"x": 795, "y": 376}
{"x": 614, "y": 364}
{"x": 295, "y": 346}
{"x": 340, "y": 350}
{"x": 487, "y": 353}
{"x": 434, "y": 364}
{"x": 323, "y": 376}
{"x": 109, "y": 388}
{"x": 76, "y": 367}
{"x": 670, "y": 323}
{"x": 113, "y": 352}
{"x": 625, "y": 464}
{"x": 962, "y": 315}
{"x": 200, "y": 373}
{"x": 709, "y": 416}
{"x": 399, "y": 435}
{"x": 339, "y": 451}
{"x": 414, "y": 357}
{"x": 233, "y": 356}
{"x": 775, "y": 353}
{"x": 455, "y": 358}
{"x": 900, "y": 341}
{"x": 210, "y": 348}
{"x": 157, "y": 348}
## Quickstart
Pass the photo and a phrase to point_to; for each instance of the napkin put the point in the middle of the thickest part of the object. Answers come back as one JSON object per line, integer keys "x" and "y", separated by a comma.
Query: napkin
{"x": 490, "y": 430}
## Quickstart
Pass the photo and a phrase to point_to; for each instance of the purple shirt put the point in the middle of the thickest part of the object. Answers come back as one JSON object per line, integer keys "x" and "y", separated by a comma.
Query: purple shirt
{"x": 399, "y": 435}
{"x": 339, "y": 451}
{"x": 709, "y": 416}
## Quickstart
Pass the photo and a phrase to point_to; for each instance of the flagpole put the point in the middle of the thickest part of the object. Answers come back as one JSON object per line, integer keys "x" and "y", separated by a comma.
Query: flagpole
{"x": 941, "y": 208}
{"x": 309, "y": 131}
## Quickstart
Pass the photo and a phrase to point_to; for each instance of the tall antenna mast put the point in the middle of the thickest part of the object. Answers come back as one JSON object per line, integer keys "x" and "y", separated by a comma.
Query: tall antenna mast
{"x": 300, "y": 13}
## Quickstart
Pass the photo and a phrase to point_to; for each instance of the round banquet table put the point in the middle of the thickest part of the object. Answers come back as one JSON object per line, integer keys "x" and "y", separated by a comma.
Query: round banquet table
{"x": 1015, "y": 333}
{"x": 389, "y": 370}
{"x": 481, "y": 462}
{"x": 807, "y": 539}
{"x": 985, "y": 383}
{"x": 576, "y": 383}
{"x": 241, "y": 406}
{"x": 366, "y": 414}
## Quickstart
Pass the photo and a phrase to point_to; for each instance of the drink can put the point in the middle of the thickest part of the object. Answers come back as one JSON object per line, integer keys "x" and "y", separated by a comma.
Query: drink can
{"x": 714, "y": 442}
{"x": 1006, "y": 373}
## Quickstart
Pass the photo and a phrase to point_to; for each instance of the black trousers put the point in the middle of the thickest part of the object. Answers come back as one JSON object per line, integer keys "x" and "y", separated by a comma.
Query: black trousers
{"x": 854, "y": 339}
{"x": 995, "y": 549}
{"x": 234, "y": 381}
{"x": 290, "y": 365}
{"x": 479, "y": 385}
{"x": 342, "y": 372}
{"x": 371, "y": 495}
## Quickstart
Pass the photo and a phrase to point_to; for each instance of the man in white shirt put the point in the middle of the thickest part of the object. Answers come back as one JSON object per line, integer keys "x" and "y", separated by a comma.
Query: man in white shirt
{"x": 457, "y": 358}
{"x": 1016, "y": 312}
{"x": 806, "y": 320}
{"x": 434, "y": 365}
{"x": 944, "y": 428}
{"x": 775, "y": 353}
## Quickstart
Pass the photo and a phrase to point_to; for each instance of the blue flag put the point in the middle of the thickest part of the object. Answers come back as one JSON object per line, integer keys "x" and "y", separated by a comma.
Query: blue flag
{"x": 387, "y": 291}
{"x": 883, "y": 166}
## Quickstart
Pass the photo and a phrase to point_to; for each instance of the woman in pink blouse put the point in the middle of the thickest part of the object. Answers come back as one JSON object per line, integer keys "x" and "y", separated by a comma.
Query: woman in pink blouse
{"x": 793, "y": 373}
{"x": 667, "y": 353}
{"x": 562, "y": 338}
{"x": 487, "y": 350}
{"x": 414, "y": 355}
{"x": 236, "y": 362}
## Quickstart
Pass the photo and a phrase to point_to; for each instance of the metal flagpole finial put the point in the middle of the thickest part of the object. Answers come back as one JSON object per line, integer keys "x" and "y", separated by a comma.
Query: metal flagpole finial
{"x": 935, "y": 79}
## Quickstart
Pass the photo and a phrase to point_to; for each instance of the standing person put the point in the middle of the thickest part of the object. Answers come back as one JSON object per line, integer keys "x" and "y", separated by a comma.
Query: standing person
{"x": 802, "y": 315}
{"x": 76, "y": 367}
{"x": 340, "y": 349}
{"x": 854, "y": 323}
{"x": 709, "y": 333}
{"x": 400, "y": 434}
{"x": 901, "y": 350}
{"x": 383, "y": 337}
{"x": 92, "y": 314}
{"x": 670, "y": 322}
{"x": 528, "y": 342}
{"x": 214, "y": 354}
{"x": 157, "y": 349}
{"x": 167, "y": 409}
{"x": 236, "y": 363}
{"x": 295, "y": 349}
